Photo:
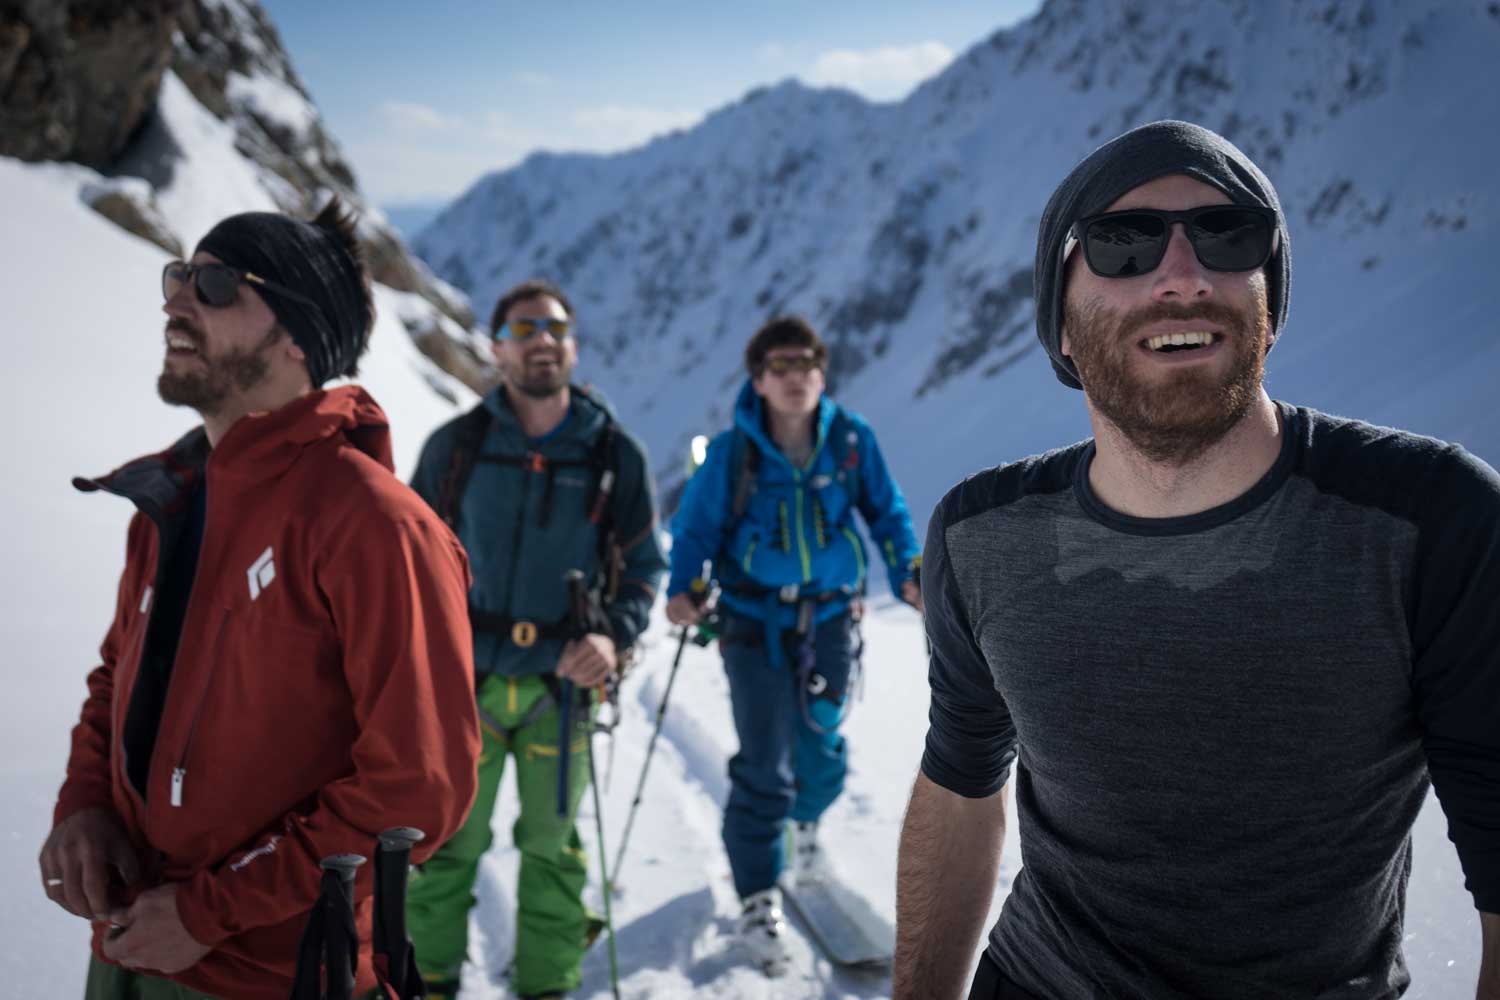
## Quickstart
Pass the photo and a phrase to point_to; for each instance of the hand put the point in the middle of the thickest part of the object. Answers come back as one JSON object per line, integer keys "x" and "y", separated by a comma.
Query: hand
{"x": 153, "y": 936}
{"x": 587, "y": 662}
{"x": 911, "y": 593}
{"x": 684, "y": 610}
{"x": 77, "y": 857}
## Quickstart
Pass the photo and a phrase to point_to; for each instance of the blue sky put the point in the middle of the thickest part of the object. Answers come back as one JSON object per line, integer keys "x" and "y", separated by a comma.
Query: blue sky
{"x": 426, "y": 98}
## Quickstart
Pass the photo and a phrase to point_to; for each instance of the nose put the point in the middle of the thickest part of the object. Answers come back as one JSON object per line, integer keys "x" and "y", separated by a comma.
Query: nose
{"x": 182, "y": 303}
{"x": 1179, "y": 276}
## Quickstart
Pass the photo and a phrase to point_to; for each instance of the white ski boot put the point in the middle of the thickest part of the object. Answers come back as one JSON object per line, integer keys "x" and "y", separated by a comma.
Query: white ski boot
{"x": 806, "y": 861}
{"x": 762, "y": 931}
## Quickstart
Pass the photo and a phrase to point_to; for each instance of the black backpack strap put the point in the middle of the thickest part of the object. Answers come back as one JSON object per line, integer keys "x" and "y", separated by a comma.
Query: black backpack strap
{"x": 604, "y": 456}
{"x": 468, "y": 435}
{"x": 745, "y": 470}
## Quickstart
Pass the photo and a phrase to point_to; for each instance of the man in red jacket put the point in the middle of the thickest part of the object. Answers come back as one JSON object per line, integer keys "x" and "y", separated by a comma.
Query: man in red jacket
{"x": 289, "y": 669}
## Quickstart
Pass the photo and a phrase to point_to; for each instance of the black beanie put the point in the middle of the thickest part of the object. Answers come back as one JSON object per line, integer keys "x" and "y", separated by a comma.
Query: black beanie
{"x": 312, "y": 259}
{"x": 1140, "y": 155}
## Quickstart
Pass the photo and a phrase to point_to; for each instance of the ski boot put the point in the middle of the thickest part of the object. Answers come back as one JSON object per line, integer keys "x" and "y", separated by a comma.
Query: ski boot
{"x": 805, "y": 858}
{"x": 762, "y": 931}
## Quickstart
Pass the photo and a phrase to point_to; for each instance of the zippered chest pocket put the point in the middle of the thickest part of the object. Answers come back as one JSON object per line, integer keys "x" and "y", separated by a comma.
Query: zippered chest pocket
{"x": 262, "y": 701}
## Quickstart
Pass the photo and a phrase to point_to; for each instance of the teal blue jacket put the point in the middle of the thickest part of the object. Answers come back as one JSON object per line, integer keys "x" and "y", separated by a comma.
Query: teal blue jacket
{"x": 517, "y": 560}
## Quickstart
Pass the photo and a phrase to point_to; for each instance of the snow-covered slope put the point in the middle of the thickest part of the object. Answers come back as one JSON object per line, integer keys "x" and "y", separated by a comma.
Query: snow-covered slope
{"x": 906, "y": 231}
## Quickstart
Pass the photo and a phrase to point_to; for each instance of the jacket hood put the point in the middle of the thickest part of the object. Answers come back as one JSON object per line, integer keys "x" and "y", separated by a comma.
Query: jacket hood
{"x": 749, "y": 417}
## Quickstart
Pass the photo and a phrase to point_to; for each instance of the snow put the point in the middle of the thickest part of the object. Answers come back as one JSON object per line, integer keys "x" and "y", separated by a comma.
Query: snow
{"x": 82, "y": 313}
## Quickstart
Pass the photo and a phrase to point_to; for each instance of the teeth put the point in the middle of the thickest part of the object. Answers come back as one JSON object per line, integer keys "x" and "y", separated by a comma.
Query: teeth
{"x": 1197, "y": 337}
{"x": 177, "y": 343}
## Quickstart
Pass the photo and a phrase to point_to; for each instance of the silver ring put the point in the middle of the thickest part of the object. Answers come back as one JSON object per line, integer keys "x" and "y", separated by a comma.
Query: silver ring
{"x": 54, "y": 881}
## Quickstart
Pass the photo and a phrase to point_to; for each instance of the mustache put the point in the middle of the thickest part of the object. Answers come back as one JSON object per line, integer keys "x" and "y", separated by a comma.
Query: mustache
{"x": 176, "y": 324}
{"x": 1217, "y": 313}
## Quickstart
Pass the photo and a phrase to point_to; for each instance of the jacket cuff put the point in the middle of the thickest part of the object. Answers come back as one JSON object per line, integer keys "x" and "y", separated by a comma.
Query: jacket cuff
{"x": 73, "y": 799}
{"x": 203, "y": 912}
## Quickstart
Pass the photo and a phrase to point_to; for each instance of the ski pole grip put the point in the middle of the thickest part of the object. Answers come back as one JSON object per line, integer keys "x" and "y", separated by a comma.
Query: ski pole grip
{"x": 340, "y": 945}
{"x": 400, "y": 838}
{"x": 343, "y": 865}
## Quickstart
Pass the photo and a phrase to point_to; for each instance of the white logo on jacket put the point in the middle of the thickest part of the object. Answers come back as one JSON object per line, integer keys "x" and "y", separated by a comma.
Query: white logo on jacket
{"x": 261, "y": 573}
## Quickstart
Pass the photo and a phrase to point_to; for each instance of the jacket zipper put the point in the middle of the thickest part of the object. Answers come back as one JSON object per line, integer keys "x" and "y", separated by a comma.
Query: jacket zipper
{"x": 802, "y": 538}
{"x": 859, "y": 552}
{"x": 179, "y": 773}
{"x": 515, "y": 545}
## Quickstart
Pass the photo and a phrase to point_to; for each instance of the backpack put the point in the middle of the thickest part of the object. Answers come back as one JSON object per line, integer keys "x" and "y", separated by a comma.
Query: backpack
{"x": 468, "y": 436}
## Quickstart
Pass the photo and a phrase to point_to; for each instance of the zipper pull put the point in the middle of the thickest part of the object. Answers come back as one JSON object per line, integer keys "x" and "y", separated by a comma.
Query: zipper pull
{"x": 179, "y": 774}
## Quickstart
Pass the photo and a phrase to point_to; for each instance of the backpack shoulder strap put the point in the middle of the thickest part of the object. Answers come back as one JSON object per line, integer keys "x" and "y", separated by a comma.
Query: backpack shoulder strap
{"x": 843, "y": 436}
{"x": 745, "y": 469}
{"x": 468, "y": 436}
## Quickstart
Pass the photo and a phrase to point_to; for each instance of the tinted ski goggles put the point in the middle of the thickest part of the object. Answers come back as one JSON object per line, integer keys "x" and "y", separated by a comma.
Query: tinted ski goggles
{"x": 218, "y": 285}
{"x": 1125, "y": 244}
{"x": 523, "y": 329}
{"x": 780, "y": 364}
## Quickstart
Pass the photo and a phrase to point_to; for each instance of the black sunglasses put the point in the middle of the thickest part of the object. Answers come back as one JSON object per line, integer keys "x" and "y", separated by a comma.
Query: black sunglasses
{"x": 217, "y": 285}
{"x": 1125, "y": 244}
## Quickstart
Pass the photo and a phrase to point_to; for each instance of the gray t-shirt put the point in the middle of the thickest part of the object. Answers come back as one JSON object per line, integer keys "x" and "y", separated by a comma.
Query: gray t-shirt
{"x": 1225, "y": 721}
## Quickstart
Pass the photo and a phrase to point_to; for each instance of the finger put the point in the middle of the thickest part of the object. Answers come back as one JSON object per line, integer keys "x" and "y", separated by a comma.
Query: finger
{"x": 73, "y": 899}
{"x": 95, "y": 879}
{"x": 122, "y": 855}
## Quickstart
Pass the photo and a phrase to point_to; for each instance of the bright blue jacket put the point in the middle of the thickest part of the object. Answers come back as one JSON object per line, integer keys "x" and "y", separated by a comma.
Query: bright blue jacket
{"x": 798, "y": 527}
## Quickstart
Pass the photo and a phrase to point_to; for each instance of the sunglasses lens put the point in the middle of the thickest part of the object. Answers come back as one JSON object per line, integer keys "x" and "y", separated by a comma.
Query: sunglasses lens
{"x": 1119, "y": 246}
{"x": 216, "y": 285}
{"x": 172, "y": 277}
{"x": 1231, "y": 239}
{"x": 520, "y": 329}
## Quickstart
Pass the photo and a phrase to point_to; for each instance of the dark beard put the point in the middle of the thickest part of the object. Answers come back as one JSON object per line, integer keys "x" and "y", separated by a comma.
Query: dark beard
{"x": 207, "y": 389}
{"x": 542, "y": 386}
{"x": 1174, "y": 418}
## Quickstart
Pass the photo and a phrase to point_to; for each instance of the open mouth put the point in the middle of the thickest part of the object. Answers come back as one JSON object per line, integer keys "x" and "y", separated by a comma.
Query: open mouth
{"x": 1175, "y": 343}
{"x": 180, "y": 345}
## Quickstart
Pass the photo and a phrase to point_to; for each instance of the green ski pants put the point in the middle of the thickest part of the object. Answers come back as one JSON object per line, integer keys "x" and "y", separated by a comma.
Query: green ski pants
{"x": 518, "y": 718}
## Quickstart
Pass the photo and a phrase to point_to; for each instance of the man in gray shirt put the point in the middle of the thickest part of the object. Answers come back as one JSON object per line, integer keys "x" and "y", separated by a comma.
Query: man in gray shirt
{"x": 1231, "y": 638}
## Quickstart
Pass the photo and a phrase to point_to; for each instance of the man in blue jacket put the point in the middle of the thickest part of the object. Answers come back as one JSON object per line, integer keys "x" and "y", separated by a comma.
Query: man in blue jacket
{"x": 537, "y": 480}
{"x": 772, "y": 509}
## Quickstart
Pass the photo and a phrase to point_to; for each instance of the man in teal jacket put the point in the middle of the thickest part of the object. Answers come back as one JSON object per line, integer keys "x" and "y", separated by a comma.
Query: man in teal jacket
{"x": 772, "y": 508}
{"x": 536, "y": 481}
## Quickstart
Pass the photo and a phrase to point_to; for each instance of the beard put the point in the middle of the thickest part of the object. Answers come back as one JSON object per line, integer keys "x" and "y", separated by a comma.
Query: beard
{"x": 541, "y": 384}
{"x": 208, "y": 386}
{"x": 1170, "y": 417}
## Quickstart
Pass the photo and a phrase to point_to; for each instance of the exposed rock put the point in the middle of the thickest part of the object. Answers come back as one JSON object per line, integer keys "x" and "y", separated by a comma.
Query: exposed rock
{"x": 129, "y": 203}
{"x": 77, "y": 79}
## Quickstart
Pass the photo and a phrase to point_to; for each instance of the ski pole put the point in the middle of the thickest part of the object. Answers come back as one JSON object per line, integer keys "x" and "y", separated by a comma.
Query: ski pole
{"x": 395, "y": 961}
{"x": 609, "y": 919}
{"x": 710, "y": 600}
{"x": 330, "y": 941}
{"x": 577, "y": 612}
{"x": 578, "y": 607}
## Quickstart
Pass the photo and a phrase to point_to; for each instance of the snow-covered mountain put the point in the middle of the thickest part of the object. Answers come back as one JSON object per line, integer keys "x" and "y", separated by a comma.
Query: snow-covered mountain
{"x": 906, "y": 231}
{"x": 796, "y": 199}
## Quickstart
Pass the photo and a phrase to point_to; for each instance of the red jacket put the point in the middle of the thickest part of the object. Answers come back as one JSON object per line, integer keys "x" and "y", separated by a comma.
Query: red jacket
{"x": 322, "y": 689}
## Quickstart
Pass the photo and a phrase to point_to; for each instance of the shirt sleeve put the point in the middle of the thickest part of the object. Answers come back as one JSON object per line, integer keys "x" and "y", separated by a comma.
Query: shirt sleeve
{"x": 705, "y": 507}
{"x": 1456, "y": 668}
{"x": 971, "y": 741}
